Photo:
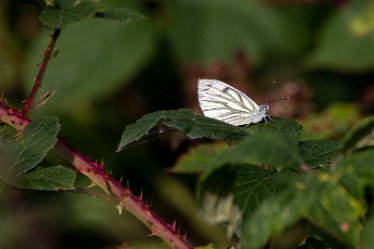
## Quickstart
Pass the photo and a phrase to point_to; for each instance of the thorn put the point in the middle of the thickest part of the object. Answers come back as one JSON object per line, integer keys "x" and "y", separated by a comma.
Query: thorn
{"x": 120, "y": 179}
{"x": 141, "y": 195}
{"x": 152, "y": 234}
{"x": 174, "y": 224}
{"x": 91, "y": 185}
{"x": 119, "y": 208}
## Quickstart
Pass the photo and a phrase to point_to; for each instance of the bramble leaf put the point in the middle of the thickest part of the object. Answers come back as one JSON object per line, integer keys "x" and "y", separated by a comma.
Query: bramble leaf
{"x": 339, "y": 213}
{"x": 67, "y": 12}
{"x": 265, "y": 147}
{"x": 253, "y": 184}
{"x": 19, "y": 156}
{"x": 281, "y": 211}
{"x": 360, "y": 136}
{"x": 117, "y": 10}
{"x": 361, "y": 164}
{"x": 317, "y": 152}
{"x": 288, "y": 128}
{"x": 52, "y": 178}
{"x": 197, "y": 158}
{"x": 194, "y": 125}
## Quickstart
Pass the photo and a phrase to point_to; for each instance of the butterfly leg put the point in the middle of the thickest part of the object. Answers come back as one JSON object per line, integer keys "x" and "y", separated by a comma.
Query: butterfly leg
{"x": 266, "y": 118}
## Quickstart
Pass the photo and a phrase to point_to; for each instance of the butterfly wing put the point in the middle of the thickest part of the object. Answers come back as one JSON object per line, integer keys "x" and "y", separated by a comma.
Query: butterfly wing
{"x": 221, "y": 101}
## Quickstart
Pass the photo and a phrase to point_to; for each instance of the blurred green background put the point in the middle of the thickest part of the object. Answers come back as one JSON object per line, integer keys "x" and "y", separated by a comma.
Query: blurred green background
{"x": 107, "y": 74}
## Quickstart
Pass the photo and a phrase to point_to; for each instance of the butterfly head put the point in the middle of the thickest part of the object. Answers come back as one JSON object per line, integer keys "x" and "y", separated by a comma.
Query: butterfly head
{"x": 264, "y": 108}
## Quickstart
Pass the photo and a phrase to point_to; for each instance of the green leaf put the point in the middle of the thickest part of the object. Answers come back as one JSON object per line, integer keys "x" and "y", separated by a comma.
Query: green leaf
{"x": 253, "y": 184}
{"x": 194, "y": 125}
{"x": 359, "y": 137}
{"x": 347, "y": 233}
{"x": 97, "y": 57}
{"x": 281, "y": 211}
{"x": 117, "y": 10}
{"x": 367, "y": 235}
{"x": 288, "y": 128}
{"x": 265, "y": 147}
{"x": 67, "y": 12}
{"x": 337, "y": 211}
{"x": 19, "y": 156}
{"x": 314, "y": 243}
{"x": 196, "y": 159}
{"x": 216, "y": 202}
{"x": 341, "y": 49}
{"x": 52, "y": 178}
{"x": 257, "y": 29}
{"x": 361, "y": 164}
{"x": 317, "y": 152}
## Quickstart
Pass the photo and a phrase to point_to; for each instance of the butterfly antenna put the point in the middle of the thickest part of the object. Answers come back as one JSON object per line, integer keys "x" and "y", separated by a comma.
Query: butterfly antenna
{"x": 279, "y": 99}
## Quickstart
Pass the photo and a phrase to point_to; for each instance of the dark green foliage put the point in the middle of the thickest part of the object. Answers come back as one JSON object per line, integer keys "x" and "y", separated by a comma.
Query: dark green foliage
{"x": 314, "y": 243}
{"x": 86, "y": 62}
{"x": 317, "y": 152}
{"x": 51, "y": 178}
{"x": 195, "y": 126}
{"x": 66, "y": 12}
{"x": 360, "y": 136}
{"x": 19, "y": 156}
{"x": 275, "y": 178}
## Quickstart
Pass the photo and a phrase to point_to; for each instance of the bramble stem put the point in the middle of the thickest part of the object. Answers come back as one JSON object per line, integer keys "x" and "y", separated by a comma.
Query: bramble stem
{"x": 42, "y": 67}
{"x": 113, "y": 188}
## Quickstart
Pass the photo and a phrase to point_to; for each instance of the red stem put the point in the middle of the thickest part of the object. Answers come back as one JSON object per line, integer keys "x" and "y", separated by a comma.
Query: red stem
{"x": 39, "y": 77}
{"x": 96, "y": 173}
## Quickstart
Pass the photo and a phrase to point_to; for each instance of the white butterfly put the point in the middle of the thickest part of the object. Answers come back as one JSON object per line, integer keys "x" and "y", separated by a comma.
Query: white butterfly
{"x": 221, "y": 101}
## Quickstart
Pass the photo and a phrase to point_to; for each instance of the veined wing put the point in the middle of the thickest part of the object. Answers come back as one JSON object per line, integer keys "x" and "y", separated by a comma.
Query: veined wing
{"x": 221, "y": 101}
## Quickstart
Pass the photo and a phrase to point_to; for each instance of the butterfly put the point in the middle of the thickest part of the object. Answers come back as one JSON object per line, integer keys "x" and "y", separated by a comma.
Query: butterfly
{"x": 221, "y": 101}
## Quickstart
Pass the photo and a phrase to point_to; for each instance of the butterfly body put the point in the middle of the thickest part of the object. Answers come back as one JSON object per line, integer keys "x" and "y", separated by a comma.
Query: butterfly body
{"x": 221, "y": 101}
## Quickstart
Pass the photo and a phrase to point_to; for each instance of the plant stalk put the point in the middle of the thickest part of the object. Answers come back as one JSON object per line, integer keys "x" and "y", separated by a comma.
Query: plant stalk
{"x": 42, "y": 67}
{"x": 96, "y": 173}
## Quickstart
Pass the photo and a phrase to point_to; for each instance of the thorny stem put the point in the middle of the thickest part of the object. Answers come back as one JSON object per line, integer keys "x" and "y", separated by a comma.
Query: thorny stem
{"x": 42, "y": 67}
{"x": 96, "y": 173}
